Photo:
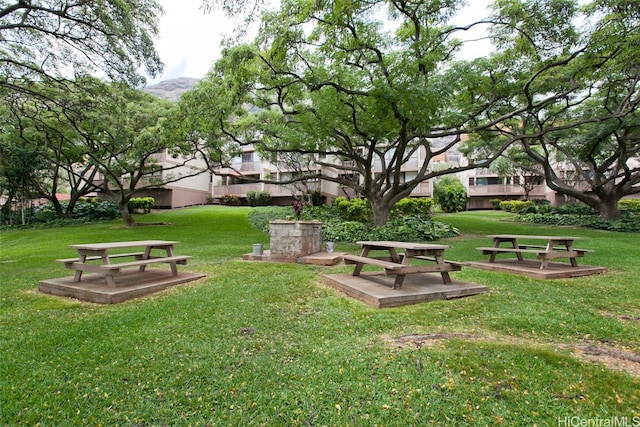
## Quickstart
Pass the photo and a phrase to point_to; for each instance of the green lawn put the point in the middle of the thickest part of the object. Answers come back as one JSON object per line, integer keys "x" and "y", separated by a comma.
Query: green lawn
{"x": 268, "y": 344}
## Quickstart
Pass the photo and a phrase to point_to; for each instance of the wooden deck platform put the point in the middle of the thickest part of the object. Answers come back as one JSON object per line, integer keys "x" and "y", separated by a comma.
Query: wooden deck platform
{"x": 376, "y": 288}
{"x": 131, "y": 284}
{"x": 531, "y": 268}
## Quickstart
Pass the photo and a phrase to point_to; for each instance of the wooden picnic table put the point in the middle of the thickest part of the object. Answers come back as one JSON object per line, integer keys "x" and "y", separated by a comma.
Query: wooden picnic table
{"x": 555, "y": 247}
{"x": 400, "y": 264}
{"x": 100, "y": 252}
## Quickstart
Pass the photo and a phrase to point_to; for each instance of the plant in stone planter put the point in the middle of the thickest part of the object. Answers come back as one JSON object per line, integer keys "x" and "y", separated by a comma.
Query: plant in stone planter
{"x": 297, "y": 207}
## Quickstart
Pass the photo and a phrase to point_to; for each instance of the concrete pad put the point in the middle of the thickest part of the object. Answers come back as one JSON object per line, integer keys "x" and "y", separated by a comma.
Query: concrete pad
{"x": 322, "y": 258}
{"x": 318, "y": 258}
{"x": 93, "y": 287}
{"x": 376, "y": 288}
{"x": 531, "y": 268}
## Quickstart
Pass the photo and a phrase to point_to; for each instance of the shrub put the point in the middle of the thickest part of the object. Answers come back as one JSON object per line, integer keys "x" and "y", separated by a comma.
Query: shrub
{"x": 84, "y": 210}
{"x": 144, "y": 204}
{"x": 515, "y": 205}
{"x": 230, "y": 199}
{"x": 344, "y": 231}
{"x": 337, "y": 229}
{"x": 95, "y": 209}
{"x": 412, "y": 228}
{"x": 575, "y": 209}
{"x": 258, "y": 198}
{"x": 630, "y": 205}
{"x": 579, "y": 215}
{"x": 317, "y": 199}
{"x": 354, "y": 209}
{"x": 495, "y": 203}
{"x": 450, "y": 194}
{"x": 413, "y": 206}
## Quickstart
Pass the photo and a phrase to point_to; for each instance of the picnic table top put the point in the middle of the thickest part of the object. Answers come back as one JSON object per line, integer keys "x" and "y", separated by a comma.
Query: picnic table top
{"x": 532, "y": 236}
{"x": 117, "y": 245}
{"x": 400, "y": 245}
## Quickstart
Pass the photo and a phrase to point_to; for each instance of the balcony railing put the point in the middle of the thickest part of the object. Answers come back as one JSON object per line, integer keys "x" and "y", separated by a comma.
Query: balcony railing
{"x": 503, "y": 189}
{"x": 273, "y": 189}
{"x": 410, "y": 165}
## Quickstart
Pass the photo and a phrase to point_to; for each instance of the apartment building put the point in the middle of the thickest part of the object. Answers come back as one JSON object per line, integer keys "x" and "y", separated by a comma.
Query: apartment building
{"x": 482, "y": 184}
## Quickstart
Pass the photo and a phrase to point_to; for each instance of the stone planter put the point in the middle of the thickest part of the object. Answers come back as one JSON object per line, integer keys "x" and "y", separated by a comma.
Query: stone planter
{"x": 290, "y": 240}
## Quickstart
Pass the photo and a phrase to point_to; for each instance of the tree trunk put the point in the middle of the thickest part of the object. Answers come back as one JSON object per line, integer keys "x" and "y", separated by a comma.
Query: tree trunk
{"x": 609, "y": 210}
{"x": 380, "y": 211}
{"x": 126, "y": 215}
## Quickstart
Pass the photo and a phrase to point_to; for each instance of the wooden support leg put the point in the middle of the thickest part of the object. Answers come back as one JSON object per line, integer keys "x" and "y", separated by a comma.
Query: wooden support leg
{"x": 515, "y": 245}
{"x": 111, "y": 281}
{"x": 445, "y": 274}
{"x": 174, "y": 268}
{"x": 76, "y": 277}
{"x": 357, "y": 269}
{"x": 397, "y": 284}
{"x": 147, "y": 254}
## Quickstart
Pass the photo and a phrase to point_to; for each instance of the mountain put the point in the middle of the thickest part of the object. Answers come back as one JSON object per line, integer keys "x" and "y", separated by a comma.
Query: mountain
{"x": 171, "y": 89}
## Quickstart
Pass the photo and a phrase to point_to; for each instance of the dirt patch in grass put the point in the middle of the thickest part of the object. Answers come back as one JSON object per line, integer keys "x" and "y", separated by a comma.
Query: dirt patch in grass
{"x": 621, "y": 317}
{"x": 426, "y": 340}
{"x": 611, "y": 357}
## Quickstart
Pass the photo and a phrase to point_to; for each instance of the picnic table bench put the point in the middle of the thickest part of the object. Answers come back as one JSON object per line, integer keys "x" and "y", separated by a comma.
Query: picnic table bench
{"x": 100, "y": 252}
{"x": 399, "y": 265}
{"x": 556, "y": 247}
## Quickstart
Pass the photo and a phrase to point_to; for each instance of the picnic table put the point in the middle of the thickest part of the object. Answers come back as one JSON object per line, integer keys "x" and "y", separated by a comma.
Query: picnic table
{"x": 400, "y": 264}
{"x": 555, "y": 247}
{"x": 99, "y": 252}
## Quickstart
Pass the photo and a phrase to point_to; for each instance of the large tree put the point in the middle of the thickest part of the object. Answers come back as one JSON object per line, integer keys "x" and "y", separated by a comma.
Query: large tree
{"x": 49, "y": 39}
{"x": 332, "y": 86}
{"x": 591, "y": 134}
{"x": 46, "y": 131}
{"x": 127, "y": 141}
{"x": 358, "y": 88}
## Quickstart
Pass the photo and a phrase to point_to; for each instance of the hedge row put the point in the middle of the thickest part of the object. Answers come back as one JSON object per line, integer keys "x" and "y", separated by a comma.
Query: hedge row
{"x": 350, "y": 220}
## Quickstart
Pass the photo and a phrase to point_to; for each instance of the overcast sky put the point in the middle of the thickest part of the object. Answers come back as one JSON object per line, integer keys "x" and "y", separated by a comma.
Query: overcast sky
{"x": 189, "y": 42}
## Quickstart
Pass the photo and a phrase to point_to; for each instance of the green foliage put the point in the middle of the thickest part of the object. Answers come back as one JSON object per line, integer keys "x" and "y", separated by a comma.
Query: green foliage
{"x": 85, "y": 210}
{"x": 96, "y": 209}
{"x": 411, "y": 222}
{"x": 631, "y": 205}
{"x": 515, "y": 205}
{"x": 412, "y": 228}
{"x": 114, "y": 37}
{"x": 495, "y": 203}
{"x": 344, "y": 231}
{"x": 353, "y": 210}
{"x": 579, "y": 215}
{"x": 258, "y": 198}
{"x": 230, "y": 200}
{"x": 316, "y": 198}
{"x": 144, "y": 204}
{"x": 413, "y": 206}
{"x": 450, "y": 194}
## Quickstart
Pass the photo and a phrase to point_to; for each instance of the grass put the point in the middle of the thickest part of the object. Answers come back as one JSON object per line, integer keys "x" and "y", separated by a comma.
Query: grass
{"x": 269, "y": 344}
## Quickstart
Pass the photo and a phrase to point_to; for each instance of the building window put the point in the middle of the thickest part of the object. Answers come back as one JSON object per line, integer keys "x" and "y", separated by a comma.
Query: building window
{"x": 247, "y": 157}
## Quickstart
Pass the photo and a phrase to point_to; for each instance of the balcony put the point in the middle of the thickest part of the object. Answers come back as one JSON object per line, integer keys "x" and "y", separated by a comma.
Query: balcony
{"x": 413, "y": 164}
{"x": 422, "y": 190}
{"x": 273, "y": 189}
{"x": 498, "y": 190}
